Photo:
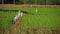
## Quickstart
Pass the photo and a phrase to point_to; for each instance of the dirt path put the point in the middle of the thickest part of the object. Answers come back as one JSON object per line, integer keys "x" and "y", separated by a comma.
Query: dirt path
{"x": 29, "y": 6}
{"x": 15, "y": 28}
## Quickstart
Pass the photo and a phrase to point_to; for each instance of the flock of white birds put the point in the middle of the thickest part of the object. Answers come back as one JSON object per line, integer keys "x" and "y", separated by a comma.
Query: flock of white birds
{"x": 20, "y": 14}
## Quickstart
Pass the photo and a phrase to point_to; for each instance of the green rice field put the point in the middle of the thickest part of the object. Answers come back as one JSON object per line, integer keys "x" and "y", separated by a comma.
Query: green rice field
{"x": 49, "y": 18}
{"x": 6, "y": 20}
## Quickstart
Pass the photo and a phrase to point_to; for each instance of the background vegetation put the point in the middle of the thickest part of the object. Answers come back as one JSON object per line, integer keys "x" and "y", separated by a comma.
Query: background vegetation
{"x": 41, "y": 2}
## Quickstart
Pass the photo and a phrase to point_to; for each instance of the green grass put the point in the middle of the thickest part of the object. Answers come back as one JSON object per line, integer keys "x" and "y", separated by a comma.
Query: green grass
{"x": 41, "y": 21}
{"x": 49, "y": 18}
{"x": 6, "y": 19}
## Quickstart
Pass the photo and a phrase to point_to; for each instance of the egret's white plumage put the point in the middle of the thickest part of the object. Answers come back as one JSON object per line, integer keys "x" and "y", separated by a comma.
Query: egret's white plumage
{"x": 17, "y": 16}
{"x": 21, "y": 14}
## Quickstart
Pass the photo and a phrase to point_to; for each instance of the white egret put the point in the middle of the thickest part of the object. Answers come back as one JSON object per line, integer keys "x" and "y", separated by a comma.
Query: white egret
{"x": 20, "y": 14}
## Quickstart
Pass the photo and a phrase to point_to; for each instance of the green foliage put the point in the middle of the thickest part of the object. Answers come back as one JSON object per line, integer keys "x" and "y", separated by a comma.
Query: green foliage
{"x": 41, "y": 2}
{"x": 6, "y": 19}
{"x": 0, "y": 1}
